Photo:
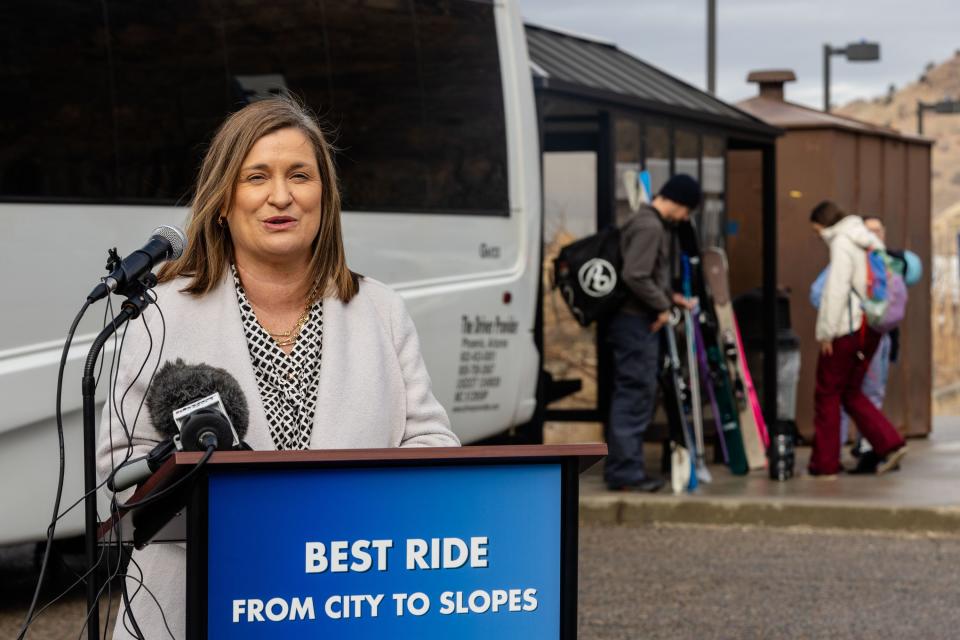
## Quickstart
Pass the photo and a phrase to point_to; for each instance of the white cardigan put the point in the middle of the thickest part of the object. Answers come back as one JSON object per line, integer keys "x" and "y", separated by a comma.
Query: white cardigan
{"x": 840, "y": 313}
{"x": 374, "y": 392}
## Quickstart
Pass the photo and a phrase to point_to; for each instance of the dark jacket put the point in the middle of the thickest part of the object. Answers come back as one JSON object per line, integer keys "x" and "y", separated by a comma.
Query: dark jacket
{"x": 645, "y": 242}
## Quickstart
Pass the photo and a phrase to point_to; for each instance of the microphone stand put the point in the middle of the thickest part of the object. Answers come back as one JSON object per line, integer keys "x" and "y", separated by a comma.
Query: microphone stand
{"x": 137, "y": 300}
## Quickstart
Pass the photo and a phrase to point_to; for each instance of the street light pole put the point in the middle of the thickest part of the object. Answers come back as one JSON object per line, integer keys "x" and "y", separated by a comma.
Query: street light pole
{"x": 944, "y": 106}
{"x": 712, "y": 46}
{"x": 862, "y": 51}
{"x": 827, "y": 51}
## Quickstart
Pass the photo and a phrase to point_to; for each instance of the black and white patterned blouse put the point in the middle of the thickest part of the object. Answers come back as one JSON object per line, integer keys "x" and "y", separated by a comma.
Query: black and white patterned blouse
{"x": 288, "y": 383}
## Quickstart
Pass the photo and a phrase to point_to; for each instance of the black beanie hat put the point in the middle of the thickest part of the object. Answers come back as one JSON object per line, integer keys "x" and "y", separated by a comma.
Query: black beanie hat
{"x": 682, "y": 189}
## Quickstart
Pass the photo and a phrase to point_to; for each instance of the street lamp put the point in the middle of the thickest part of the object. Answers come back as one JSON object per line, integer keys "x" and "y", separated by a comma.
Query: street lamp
{"x": 862, "y": 51}
{"x": 944, "y": 106}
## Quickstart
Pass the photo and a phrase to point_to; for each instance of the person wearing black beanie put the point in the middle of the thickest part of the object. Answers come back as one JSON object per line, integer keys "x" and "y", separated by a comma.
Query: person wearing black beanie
{"x": 646, "y": 238}
{"x": 683, "y": 190}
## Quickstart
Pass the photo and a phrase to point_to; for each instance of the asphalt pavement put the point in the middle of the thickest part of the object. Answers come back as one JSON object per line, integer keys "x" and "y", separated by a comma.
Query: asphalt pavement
{"x": 693, "y": 581}
{"x": 688, "y": 581}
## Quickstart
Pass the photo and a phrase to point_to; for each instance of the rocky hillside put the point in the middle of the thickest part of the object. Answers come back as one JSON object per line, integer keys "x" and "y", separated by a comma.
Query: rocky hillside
{"x": 898, "y": 109}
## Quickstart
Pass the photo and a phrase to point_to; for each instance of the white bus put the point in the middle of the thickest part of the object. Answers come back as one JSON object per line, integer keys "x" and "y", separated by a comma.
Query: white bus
{"x": 105, "y": 112}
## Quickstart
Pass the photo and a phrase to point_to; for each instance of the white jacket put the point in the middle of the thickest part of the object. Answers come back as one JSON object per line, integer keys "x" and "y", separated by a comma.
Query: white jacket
{"x": 840, "y": 313}
{"x": 374, "y": 392}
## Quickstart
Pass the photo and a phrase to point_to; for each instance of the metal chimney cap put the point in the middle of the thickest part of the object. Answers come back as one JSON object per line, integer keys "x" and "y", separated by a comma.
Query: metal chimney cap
{"x": 772, "y": 76}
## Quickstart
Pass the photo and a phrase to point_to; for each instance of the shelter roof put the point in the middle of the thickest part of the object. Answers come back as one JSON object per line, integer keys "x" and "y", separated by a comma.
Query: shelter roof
{"x": 789, "y": 115}
{"x": 596, "y": 69}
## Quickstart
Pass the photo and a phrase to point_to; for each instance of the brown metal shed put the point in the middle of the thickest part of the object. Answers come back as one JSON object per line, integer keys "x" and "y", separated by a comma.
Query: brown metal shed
{"x": 866, "y": 169}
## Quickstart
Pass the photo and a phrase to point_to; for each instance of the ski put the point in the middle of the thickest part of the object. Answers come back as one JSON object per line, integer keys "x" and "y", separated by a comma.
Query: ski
{"x": 693, "y": 375}
{"x": 683, "y": 453}
{"x": 709, "y": 384}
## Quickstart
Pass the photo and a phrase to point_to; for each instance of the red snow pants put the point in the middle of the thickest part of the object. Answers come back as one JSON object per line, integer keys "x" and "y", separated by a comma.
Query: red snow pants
{"x": 839, "y": 380}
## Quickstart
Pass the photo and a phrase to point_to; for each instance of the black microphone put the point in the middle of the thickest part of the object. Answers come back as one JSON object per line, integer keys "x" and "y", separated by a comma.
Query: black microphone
{"x": 195, "y": 406}
{"x": 167, "y": 242}
{"x": 136, "y": 471}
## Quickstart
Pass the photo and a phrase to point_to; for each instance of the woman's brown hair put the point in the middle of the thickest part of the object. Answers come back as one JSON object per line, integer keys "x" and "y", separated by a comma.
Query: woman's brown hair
{"x": 827, "y": 214}
{"x": 209, "y": 246}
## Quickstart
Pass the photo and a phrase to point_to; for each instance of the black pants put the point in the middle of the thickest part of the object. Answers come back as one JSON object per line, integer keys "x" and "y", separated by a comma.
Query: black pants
{"x": 636, "y": 356}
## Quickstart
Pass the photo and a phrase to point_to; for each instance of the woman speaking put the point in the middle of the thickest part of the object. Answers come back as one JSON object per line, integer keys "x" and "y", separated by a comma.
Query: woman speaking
{"x": 327, "y": 359}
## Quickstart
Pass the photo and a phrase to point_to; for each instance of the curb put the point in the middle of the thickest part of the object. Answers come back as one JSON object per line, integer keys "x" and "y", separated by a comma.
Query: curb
{"x": 638, "y": 511}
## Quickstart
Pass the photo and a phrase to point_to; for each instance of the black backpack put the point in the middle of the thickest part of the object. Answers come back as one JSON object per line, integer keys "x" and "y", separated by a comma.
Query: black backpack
{"x": 587, "y": 272}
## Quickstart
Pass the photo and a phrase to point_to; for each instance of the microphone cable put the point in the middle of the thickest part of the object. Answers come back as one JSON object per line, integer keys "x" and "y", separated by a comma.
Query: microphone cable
{"x": 33, "y": 612}
{"x": 51, "y": 530}
{"x": 115, "y": 507}
{"x": 123, "y": 553}
{"x": 80, "y": 577}
{"x": 115, "y": 536}
{"x": 120, "y": 569}
{"x": 142, "y": 585}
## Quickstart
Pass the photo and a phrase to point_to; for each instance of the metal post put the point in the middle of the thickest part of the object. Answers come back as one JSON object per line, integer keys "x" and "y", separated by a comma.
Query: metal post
{"x": 769, "y": 233}
{"x": 712, "y": 46}
{"x": 827, "y": 51}
{"x": 88, "y": 385}
{"x": 920, "y": 106}
{"x": 606, "y": 217}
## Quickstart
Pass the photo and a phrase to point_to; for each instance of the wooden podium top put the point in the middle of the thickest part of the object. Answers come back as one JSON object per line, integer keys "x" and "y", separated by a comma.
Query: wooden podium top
{"x": 589, "y": 454}
{"x": 181, "y": 462}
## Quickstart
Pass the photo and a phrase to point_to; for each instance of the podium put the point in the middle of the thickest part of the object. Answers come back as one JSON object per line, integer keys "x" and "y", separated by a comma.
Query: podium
{"x": 471, "y": 542}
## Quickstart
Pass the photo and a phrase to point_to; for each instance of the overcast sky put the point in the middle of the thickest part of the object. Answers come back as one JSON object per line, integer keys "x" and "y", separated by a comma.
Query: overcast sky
{"x": 768, "y": 34}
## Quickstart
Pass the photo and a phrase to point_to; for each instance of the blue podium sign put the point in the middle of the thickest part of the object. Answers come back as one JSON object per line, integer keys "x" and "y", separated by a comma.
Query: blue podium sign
{"x": 448, "y": 551}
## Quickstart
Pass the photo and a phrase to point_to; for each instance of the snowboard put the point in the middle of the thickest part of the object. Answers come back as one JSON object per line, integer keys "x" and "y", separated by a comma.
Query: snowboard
{"x": 752, "y": 393}
{"x": 677, "y": 404}
{"x": 713, "y": 368}
{"x": 716, "y": 275}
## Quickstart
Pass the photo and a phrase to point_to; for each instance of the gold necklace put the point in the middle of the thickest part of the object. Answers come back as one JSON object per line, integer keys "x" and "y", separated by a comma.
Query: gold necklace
{"x": 287, "y": 338}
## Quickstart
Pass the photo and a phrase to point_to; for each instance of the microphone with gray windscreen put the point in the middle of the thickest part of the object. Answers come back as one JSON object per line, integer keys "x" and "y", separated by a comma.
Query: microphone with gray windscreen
{"x": 167, "y": 242}
{"x": 193, "y": 406}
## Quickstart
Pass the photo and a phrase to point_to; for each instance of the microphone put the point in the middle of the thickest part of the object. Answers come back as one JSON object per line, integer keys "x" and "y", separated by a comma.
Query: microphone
{"x": 195, "y": 406}
{"x": 136, "y": 471}
{"x": 167, "y": 242}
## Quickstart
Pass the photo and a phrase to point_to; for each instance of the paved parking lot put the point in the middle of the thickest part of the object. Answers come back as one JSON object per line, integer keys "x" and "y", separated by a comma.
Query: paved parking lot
{"x": 684, "y": 581}
{"x": 723, "y": 582}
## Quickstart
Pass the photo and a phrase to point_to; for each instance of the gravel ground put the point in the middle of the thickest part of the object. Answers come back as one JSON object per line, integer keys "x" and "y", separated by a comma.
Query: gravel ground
{"x": 712, "y": 582}
{"x": 18, "y": 578}
{"x": 693, "y": 582}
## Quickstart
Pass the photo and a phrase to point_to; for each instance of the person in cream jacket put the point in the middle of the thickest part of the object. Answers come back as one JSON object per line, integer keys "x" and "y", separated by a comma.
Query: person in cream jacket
{"x": 326, "y": 358}
{"x": 846, "y": 346}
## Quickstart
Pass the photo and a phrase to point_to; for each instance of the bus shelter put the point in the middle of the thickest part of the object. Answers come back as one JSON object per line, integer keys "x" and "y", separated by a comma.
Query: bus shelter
{"x": 603, "y": 112}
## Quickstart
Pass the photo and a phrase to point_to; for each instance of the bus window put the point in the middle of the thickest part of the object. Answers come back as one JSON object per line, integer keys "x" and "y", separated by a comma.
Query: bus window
{"x": 55, "y": 114}
{"x": 171, "y": 91}
{"x": 417, "y": 116}
{"x": 410, "y": 89}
